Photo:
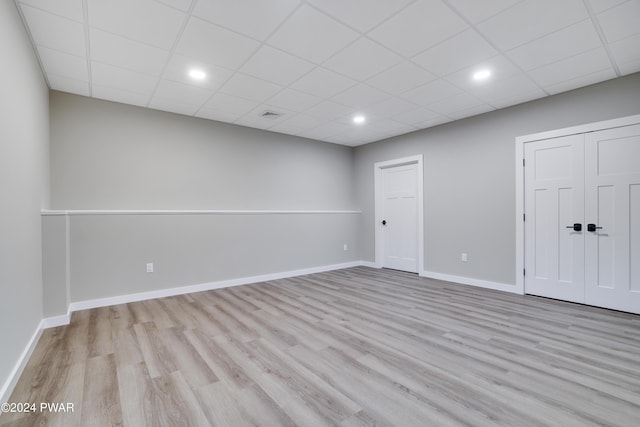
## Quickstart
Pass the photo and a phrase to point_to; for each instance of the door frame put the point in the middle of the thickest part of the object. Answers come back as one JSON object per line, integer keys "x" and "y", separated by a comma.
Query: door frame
{"x": 519, "y": 167}
{"x": 379, "y": 200}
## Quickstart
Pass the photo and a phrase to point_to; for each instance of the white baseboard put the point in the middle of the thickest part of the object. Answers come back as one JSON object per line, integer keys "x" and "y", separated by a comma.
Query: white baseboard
{"x": 370, "y": 264}
{"x": 12, "y": 380}
{"x": 52, "y": 322}
{"x": 473, "y": 282}
{"x": 142, "y": 296}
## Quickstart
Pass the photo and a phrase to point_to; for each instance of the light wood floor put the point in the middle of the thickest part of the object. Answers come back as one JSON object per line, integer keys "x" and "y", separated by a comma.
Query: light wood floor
{"x": 354, "y": 347}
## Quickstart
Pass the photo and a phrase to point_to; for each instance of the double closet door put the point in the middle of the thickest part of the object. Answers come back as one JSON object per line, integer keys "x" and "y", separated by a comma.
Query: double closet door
{"x": 582, "y": 224}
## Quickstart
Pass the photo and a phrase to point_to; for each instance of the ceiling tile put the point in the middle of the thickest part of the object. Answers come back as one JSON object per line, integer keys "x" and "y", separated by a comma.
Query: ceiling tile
{"x": 460, "y": 51}
{"x": 119, "y": 78}
{"x": 473, "y": 111}
{"x": 215, "y": 45}
{"x": 294, "y": 100}
{"x": 433, "y": 122}
{"x": 360, "y": 96}
{"x": 456, "y": 103}
{"x": 286, "y": 129}
{"x": 518, "y": 98}
{"x": 571, "y": 68}
{"x": 389, "y": 126}
{"x": 65, "y": 84}
{"x": 182, "y": 93}
{"x": 218, "y": 115}
{"x": 231, "y": 104}
{"x": 125, "y": 53}
{"x": 360, "y": 14}
{"x": 255, "y": 122}
{"x": 63, "y": 64}
{"x": 500, "y": 67}
{"x": 145, "y": 21}
{"x": 340, "y": 140}
{"x": 253, "y": 118}
{"x": 248, "y": 87}
{"x": 417, "y": 115}
{"x": 254, "y": 18}
{"x": 476, "y": 11}
{"x": 173, "y": 106}
{"x": 329, "y": 110}
{"x": 389, "y": 108}
{"x": 401, "y": 78}
{"x": 55, "y": 32}
{"x": 530, "y": 20}
{"x": 312, "y": 35}
{"x": 417, "y": 27}
{"x": 569, "y": 41}
{"x": 602, "y": 5}
{"x": 303, "y": 121}
{"x": 71, "y": 9}
{"x": 629, "y": 67}
{"x": 323, "y": 83}
{"x": 431, "y": 92}
{"x": 581, "y": 81}
{"x": 119, "y": 95}
{"x": 405, "y": 64}
{"x": 327, "y": 130}
{"x": 621, "y": 21}
{"x": 276, "y": 66}
{"x": 627, "y": 54}
{"x": 509, "y": 88}
{"x": 179, "y": 66}
{"x": 182, "y": 5}
{"x": 362, "y": 59}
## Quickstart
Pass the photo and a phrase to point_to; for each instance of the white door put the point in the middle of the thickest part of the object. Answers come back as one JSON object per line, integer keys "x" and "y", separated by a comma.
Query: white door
{"x": 400, "y": 217}
{"x": 613, "y": 205}
{"x": 592, "y": 180}
{"x": 554, "y": 202}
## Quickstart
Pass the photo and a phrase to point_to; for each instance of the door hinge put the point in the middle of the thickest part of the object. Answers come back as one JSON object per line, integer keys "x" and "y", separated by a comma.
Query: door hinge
{"x": 524, "y": 271}
{"x": 523, "y": 163}
{"x": 524, "y": 217}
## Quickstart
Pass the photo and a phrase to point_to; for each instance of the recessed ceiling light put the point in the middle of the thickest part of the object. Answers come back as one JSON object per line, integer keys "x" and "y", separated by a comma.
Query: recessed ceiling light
{"x": 359, "y": 119}
{"x": 197, "y": 74}
{"x": 481, "y": 75}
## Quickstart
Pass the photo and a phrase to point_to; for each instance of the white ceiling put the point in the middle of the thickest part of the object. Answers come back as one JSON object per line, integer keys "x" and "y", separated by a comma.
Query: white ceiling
{"x": 405, "y": 64}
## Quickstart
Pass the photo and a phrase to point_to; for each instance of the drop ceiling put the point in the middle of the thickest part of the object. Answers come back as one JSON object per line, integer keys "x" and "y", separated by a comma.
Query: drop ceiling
{"x": 403, "y": 64}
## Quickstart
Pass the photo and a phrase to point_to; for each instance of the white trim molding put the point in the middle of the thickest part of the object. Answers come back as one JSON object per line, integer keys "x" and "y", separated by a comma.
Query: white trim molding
{"x": 505, "y": 287}
{"x": 519, "y": 163}
{"x": 74, "y": 212}
{"x": 378, "y": 208}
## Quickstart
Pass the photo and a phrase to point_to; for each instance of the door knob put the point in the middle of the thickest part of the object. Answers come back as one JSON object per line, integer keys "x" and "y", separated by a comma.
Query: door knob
{"x": 384, "y": 222}
{"x": 576, "y": 227}
{"x": 592, "y": 227}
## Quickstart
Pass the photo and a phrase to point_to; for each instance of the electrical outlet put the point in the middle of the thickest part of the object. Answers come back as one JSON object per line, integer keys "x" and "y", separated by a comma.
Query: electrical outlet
{"x": 345, "y": 247}
{"x": 463, "y": 257}
{"x": 149, "y": 267}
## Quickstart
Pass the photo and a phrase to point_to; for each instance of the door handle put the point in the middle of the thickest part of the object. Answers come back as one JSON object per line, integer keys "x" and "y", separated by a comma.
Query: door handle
{"x": 384, "y": 222}
{"x": 592, "y": 227}
{"x": 576, "y": 227}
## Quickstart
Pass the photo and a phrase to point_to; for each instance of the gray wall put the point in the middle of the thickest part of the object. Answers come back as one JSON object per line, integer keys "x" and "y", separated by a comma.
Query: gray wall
{"x": 469, "y": 179}
{"x": 113, "y": 156}
{"x": 109, "y": 156}
{"x": 24, "y": 127}
{"x": 109, "y": 253}
{"x": 55, "y": 274}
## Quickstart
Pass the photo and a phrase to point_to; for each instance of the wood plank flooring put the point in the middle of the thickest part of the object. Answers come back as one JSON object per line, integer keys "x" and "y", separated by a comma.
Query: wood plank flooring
{"x": 354, "y": 347}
